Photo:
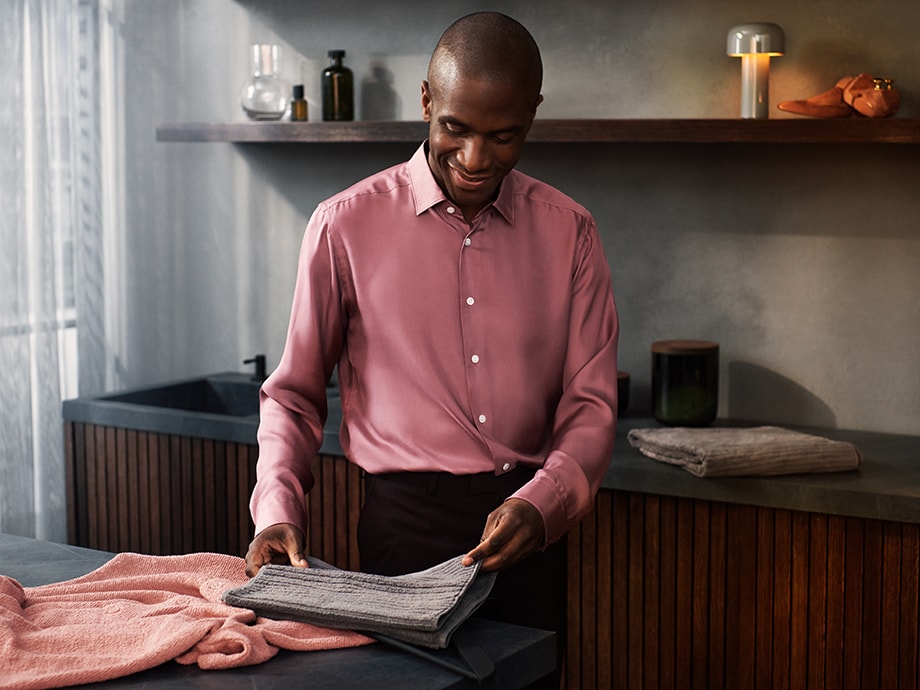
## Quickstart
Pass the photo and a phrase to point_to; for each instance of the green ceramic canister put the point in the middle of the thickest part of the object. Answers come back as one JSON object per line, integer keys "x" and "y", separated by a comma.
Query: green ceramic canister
{"x": 685, "y": 382}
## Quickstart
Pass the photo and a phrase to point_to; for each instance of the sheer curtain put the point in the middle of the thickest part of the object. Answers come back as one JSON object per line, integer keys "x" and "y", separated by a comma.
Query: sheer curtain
{"x": 53, "y": 174}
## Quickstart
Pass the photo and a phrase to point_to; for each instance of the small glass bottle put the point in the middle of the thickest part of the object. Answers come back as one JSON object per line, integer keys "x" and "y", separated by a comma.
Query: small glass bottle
{"x": 338, "y": 89}
{"x": 264, "y": 96}
{"x": 298, "y": 104}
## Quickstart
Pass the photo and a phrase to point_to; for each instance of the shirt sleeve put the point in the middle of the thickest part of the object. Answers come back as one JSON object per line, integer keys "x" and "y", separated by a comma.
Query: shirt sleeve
{"x": 584, "y": 425}
{"x": 293, "y": 399}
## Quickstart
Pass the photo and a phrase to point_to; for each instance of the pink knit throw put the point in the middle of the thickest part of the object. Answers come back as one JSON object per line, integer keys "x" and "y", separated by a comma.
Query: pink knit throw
{"x": 136, "y": 612}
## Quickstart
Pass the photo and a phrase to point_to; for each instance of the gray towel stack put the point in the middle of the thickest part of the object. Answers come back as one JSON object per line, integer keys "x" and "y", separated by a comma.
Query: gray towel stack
{"x": 422, "y": 608}
{"x": 763, "y": 450}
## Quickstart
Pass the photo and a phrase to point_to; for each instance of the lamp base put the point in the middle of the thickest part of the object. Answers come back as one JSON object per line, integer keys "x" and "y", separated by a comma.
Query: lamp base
{"x": 755, "y": 85}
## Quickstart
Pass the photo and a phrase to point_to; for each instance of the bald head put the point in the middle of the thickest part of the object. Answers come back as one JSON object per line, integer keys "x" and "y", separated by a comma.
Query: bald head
{"x": 487, "y": 46}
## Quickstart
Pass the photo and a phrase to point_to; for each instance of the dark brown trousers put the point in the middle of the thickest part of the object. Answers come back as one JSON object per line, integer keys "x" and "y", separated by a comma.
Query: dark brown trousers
{"x": 412, "y": 521}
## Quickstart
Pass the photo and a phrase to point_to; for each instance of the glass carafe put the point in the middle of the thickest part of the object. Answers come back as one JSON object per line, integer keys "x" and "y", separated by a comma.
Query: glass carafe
{"x": 264, "y": 96}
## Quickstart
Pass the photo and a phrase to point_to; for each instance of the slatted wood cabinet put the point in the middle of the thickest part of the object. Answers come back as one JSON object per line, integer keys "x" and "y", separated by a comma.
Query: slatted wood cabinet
{"x": 664, "y": 592}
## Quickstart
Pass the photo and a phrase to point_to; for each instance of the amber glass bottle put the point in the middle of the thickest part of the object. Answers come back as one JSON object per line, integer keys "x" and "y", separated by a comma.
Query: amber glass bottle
{"x": 338, "y": 89}
{"x": 298, "y": 104}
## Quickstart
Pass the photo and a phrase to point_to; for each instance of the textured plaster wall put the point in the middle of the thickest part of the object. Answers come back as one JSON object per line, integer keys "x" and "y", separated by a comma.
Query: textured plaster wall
{"x": 803, "y": 261}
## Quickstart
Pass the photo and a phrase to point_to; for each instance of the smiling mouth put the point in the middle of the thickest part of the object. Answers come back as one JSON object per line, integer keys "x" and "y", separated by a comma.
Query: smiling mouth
{"x": 470, "y": 183}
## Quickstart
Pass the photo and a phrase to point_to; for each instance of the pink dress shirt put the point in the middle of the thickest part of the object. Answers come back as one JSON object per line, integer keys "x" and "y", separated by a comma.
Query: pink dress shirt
{"x": 460, "y": 348}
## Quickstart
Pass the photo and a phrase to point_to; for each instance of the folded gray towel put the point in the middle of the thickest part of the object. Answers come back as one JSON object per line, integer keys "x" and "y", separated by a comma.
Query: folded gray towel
{"x": 763, "y": 450}
{"x": 422, "y": 608}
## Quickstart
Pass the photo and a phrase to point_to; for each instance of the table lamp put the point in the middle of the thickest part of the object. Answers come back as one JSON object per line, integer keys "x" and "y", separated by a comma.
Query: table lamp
{"x": 755, "y": 44}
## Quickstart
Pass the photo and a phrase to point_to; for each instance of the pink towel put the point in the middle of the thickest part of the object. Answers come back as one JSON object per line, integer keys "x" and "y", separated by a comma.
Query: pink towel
{"x": 137, "y": 612}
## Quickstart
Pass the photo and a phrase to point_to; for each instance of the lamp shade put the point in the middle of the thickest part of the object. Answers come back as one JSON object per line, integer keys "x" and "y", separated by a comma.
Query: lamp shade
{"x": 760, "y": 38}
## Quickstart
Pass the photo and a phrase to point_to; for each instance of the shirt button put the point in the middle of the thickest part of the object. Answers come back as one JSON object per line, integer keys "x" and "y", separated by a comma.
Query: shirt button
{"x": 475, "y": 359}
{"x": 506, "y": 466}
{"x": 470, "y": 301}
{"x": 451, "y": 210}
{"x": 482, "y": 419}
{"x": 467, "y": 241}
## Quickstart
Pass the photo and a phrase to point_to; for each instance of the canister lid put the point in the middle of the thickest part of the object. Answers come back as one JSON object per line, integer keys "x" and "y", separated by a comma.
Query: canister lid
{"x": 685, "y": 347}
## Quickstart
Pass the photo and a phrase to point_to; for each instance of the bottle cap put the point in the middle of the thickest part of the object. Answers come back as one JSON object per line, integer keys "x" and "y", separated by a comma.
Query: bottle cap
{"x": 298, "y": 92}
{"x": 336, "y": 53}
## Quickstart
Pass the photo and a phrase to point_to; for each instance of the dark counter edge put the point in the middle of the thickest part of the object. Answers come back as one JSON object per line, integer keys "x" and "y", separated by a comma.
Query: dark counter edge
{"x": 885, "y": 487}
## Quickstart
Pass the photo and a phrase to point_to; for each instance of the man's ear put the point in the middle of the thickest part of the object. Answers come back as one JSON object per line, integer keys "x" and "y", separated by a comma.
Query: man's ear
{"x": 426, "y": 101}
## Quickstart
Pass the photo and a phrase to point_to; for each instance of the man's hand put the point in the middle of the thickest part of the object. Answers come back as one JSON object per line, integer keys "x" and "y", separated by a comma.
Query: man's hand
{"x": 513, "y": 531}
{"x": 282, "y": 544}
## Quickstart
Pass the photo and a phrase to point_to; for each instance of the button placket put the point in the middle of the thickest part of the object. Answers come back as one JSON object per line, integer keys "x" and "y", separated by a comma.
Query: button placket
{"x": 474, "y": 359}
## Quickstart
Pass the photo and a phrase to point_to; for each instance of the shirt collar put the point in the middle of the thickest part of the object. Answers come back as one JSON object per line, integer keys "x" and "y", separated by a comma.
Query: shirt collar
{"x": 428, "y": 193}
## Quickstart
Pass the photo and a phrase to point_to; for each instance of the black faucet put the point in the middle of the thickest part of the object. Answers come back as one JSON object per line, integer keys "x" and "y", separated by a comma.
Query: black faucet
{"x": 259, "y": 361}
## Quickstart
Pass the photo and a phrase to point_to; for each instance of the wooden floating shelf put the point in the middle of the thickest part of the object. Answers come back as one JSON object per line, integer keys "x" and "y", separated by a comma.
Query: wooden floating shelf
{"x": 694, "y": 131}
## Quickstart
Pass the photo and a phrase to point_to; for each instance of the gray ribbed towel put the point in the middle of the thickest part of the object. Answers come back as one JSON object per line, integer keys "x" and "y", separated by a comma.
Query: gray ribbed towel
{"x": 763, "y": 450}
{"x": 422, "y": 608}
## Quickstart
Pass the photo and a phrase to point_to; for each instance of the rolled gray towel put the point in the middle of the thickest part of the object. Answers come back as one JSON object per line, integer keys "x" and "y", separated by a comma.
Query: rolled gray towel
{"x": 731, "y": 451}
{"x": 422, "y": 608}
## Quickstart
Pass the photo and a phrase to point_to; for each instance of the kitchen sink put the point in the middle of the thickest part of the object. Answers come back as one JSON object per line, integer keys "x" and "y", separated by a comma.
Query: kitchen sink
{"x": 220, "y": 394}
{"x": 221, "y": 407}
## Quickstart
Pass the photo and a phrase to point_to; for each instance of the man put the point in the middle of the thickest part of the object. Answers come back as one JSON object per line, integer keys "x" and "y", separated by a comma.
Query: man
{"x": 469, "y": 310}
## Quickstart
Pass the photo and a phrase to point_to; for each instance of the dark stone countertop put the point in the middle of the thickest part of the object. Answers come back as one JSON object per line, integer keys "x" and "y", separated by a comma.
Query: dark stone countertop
{"x": 886, "y": 487}
{"x": 520, "y": 654}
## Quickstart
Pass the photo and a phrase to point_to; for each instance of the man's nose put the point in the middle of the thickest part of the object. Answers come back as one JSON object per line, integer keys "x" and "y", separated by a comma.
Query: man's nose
{"x": 475, "y": 155}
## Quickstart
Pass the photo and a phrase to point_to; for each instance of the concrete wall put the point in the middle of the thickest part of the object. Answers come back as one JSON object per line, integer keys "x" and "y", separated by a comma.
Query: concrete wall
{"x": 803, "y": 261}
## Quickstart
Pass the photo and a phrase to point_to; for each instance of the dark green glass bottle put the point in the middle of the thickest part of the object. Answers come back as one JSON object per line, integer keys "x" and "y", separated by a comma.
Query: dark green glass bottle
{"x": 338, "y": 89}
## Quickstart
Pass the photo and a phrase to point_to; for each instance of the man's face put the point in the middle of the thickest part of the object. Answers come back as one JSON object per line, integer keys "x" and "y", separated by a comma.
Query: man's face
{"x": 476, "y": 132}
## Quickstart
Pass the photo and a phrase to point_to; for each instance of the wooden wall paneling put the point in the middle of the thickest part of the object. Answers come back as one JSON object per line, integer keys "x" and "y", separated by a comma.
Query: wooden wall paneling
{"x": 684, "y": 588}
{"x": 588, "y": 587}
{"x": 816, "y": 610}
{"x": 763, "y": 606}
{"x": 890, "y": 613}
{"x": 633, "y": 644}
{"x": 249, "y": 455}
{"x": 872, "y": 603}
{"x": 185, "y": 497}
{"x": 651, "y": 614}
{"x": 236, "y": 508}
{"x": 341, "y": 529}
{"x": 853, "y": 595}
{"x": 740, "y": 596}
{"x": 134, "y": 515}
{"x": 206, "y": 499}
{"x": 910, "y": 606}
{"x": 836, "y": 601}
{"x": 117, "y": 458}
{"x": 717, "y": 613}
{"x": 223, "y": 522}
{"x": 670, "y": 579}
{"x": 164, "y": 486}
{"x": 571, "y": 673}
{"x": 619, "y": 584}
{"x": 327, "y": 504}
{"x": 139, "y": 480}
{"x": 198, "y": 462}
{"x": 70, "y": 481}
{"x": 603, "y": 640}
{"x": 798, "y": 666}
{"x": 782, "y": 599}
{"x": 95, "y": 449}
{"x": 908, "y": 676}
{"x": 314, "y": 531}
{"x": 701, "y": 581}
